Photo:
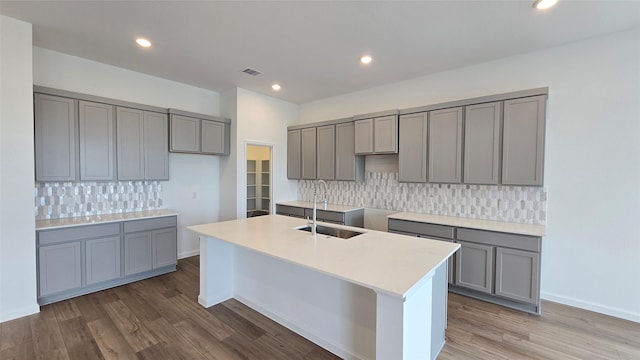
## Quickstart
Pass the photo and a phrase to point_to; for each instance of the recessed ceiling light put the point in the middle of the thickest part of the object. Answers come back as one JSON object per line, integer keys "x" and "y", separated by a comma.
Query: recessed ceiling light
{"x": 276, "y": 87}
{"x": 143, "y": 42}
{"x": 544, "y": 4}
{"x": 366, "y": 59}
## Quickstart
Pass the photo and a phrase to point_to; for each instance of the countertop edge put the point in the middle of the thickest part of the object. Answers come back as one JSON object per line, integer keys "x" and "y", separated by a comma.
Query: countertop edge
{"x": 50, "y": 224}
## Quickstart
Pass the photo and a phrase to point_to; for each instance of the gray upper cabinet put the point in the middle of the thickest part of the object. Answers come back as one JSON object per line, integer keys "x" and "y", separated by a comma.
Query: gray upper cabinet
{"x": 130, "y": 143}
{"x": 523, "y": 141}
{"x": 185, "y": 134}
{"x": 294, "y": 150}
{"x": 413, "y": 148}
{"x": 377, "y": 135}
{"x": 55, "y": 138}
{"x": 308, "y": 162}
{"x": 482, "y": 143}
{"x": 445, "y": 146}
{"x": 348, "y": 165}
{"x": 213, "y": 137}
{"x": 326, "y": 152}
{"x": 198, "y": 134}
{"x": 97, "y": 141}
{"x": 156, "y": 143}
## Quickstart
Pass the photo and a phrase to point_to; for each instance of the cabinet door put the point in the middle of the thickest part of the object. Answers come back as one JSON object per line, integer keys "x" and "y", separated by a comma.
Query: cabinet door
{"x": 474, "y": 267}
{"x": 294, "y": 150}
{"x": 97, "y": 141}
{"x": 130, "y": 143}
{"x": 213, "y": 139}
{"x": 55, "y": 129}
{"x": 59, "y": 267}
{"x": 517, "y": 275}
{"x": 385, "y": 131}
{"x": 482, "y": 143}
{"x": 185, "y": 134}
{"x": 413, "y": 148}
{"x": 102, "y": 259}
{"x": 445, "y": 146}
{"x": 326, "y": 152}
{"x": 156, "y": 146}
{"x": 523, "y": 141}
{"x": 165, "y": 251}
{"x": 308, "y": 153}
{"x": 137, "y": 253}
{"x": 364, "y": 136}
{"x": 348, "y": 165}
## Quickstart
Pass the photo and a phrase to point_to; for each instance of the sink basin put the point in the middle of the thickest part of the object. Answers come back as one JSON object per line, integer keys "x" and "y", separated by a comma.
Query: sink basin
{"x": 339, "y": 233}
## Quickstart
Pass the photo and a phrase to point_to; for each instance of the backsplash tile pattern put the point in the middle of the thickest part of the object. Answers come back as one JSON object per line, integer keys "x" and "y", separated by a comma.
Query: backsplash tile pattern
{"x": 71, "y": 199}
{"x": 381, "y": 190}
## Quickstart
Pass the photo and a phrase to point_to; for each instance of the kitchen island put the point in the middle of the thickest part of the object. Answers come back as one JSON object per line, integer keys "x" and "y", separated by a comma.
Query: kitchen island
{"x": 373, "y": 296}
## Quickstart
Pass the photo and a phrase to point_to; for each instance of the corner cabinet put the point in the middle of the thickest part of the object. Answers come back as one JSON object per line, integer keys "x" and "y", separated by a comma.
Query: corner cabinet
{"x": 523, "y": 141}
{"x": 56, "y": 129}
{"x": 78, "y": 260}
{"x": 198, "y": 134}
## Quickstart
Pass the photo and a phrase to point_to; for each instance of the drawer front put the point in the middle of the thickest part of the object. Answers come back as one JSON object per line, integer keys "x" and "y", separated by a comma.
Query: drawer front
{"x": 424, "y": 229}
{"x": 150, "y": 224}
{"x": 47, "y": 237}
{"x": 324, "y": 215}
{"x": 515, "y": 241}
{"x": 290, "y": 211}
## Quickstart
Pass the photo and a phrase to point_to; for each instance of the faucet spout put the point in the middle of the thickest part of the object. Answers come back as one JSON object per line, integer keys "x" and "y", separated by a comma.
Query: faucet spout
{"x": 315, "y": 203}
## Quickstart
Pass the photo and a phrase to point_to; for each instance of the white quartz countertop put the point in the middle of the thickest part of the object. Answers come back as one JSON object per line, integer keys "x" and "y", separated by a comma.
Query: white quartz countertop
{"x": 100, "y": 219}
{"x": 384, "y": 262}
{"x": 330, "y": 207}
{"x": 500, "y": 226}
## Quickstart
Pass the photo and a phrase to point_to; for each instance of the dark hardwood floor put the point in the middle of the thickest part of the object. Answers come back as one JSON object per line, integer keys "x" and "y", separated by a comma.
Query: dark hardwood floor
{"x": 159, "y": 318}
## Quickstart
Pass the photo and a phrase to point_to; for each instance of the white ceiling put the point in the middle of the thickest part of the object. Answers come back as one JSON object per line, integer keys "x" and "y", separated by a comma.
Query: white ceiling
{"x": 311, "y": 48}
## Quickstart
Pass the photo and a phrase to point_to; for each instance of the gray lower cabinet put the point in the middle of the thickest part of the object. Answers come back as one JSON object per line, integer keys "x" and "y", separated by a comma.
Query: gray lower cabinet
{"x": 59, "y": 268}
{"x": 517, "y": 275}
{"x": 326, "y": 152}
{"x": 474, "y": 267}
{"x": 482, "y": 143}
{"x": 523, "y": 141}
{"x": 293, "y": 211}
{"x": 308, "y": 155}
{"x": 79, "y": 260}
{"x": 445, "y": 146}
{"x": 412, "y": 150}
{"x": 353, "y": 217}
{"x": 97, "y": 140}
{"x": 102, "y": 259}
{"x": 348, "y": 165}
{"x": 141, "y": 145}
{"x": 198, "y": 134}
{"x": 294, "y": 151}
{"x": 55, "y": 128}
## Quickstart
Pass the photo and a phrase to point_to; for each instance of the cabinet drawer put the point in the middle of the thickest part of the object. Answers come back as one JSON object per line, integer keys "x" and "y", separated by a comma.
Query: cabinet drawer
{"x": 325, "y": 215}
{"x": 404, "y": 226}
{"x": 47, "y": 237}
{"x": 150, "y": 224}
{"x": 290, "y": 211}
{"x": 522, "y": 242}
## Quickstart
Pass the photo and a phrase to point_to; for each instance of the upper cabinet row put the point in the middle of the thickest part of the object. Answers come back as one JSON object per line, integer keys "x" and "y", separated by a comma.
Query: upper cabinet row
{"x": 324, "y": 152}
{"x": 491, "y": 143}
{"x": 81, "y": 140}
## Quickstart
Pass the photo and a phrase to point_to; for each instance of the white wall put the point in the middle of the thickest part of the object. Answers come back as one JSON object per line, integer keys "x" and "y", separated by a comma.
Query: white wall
{"x": 592, "y": 166}
{"x": 17, "y": 223}
{"x": 193, "y": 188}
{"x": 261, "y": 120}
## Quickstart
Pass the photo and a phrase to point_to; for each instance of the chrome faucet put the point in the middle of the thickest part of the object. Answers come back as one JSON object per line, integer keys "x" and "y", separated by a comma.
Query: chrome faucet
{"x": 314, "y": 225}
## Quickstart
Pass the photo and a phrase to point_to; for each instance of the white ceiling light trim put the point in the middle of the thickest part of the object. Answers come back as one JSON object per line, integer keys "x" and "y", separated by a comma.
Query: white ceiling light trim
{"x": 276, "y": 87}
{"x": 143, "y": 42}
{"x": 544, "y": 4}
{"x": 366, "y": 59}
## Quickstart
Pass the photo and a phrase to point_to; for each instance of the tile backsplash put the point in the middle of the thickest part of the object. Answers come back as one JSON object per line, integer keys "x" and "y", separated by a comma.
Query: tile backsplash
{"x": 381, "y": 190}
{"x": 71, "y": 199}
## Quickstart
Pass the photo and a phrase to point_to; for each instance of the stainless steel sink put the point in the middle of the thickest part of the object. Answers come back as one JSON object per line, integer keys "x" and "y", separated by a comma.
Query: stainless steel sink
{"x": 339, "y": 233}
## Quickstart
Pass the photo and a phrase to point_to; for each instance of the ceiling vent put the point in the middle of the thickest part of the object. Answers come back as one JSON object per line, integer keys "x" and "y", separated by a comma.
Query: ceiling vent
{"x": 251, "y": 72}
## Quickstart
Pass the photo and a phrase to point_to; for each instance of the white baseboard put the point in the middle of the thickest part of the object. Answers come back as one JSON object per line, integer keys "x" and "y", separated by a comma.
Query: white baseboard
{"x": 305, "y": 333}
{"x": 187, "y": 254}
{"x": 602, "y": 309}
{"x": 18, "y": 313}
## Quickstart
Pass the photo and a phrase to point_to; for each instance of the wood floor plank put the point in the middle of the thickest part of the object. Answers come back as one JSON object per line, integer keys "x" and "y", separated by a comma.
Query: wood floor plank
{"x": 110, "y": 341}
{"x": 207, "y": 344}
{"x": 79, "y": 340}
{"x": 14, "y": 333}
{"x": 174, "y": 341}
{"x": 239, "y": 324}
{"x": 21, "y": 351}
{"x": 135, "y": 333}
{"x": 66, "y": 310}
{"x": 47, "y": 338}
